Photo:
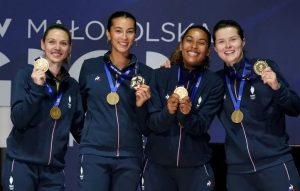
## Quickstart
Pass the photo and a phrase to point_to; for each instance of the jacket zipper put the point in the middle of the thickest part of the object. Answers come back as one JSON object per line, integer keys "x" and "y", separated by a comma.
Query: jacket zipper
{"x": 118, "y": 132}
{"x": 51, "y": 144}
{"x": 179, "y": 145}
{"x": 180, "y": 135}
{"x": 244, "y": 131}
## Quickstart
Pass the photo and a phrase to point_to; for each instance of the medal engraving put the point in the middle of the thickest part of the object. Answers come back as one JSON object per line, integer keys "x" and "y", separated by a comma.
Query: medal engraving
{"x": 42, "y": 64}
{"x": 55, "y": 113}
{"x": 259, "y": 66}
{"x": 181, "y": 91}
{"x": 112, "y": 98}
{"x": 237, "y": 116}
{"x": 136, "y": 81}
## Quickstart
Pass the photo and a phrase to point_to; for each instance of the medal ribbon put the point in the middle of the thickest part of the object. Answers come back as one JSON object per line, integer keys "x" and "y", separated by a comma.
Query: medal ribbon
{"x": 136, "y": 68}
{"x": 113, "y": 87}
{"x": 123, "y": 74}
{"x": 58, "y": 98}
{"x": 195, "y": 87}
{"x": 237, "y": 101}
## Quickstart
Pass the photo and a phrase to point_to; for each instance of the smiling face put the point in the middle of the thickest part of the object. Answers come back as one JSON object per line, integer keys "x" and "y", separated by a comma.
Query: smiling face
{"x": 56, "y": 45}
{"x": 194, "y": 48}
{"x": 229, "y": 45}
{"x": 121, "y": 34}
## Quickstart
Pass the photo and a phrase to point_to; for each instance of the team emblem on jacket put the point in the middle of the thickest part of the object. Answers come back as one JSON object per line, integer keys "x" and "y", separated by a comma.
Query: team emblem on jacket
{"x": 11, "y": 183}
{"x": 97, "y": 78}
{"x": 208, "y": 184}
{"x": 167, "y": 96}
{"x": 69, "y": 103}
{"x": 199, "y": 102}
{"x": 81, "y": 176}
{"x": 252, "y": 91}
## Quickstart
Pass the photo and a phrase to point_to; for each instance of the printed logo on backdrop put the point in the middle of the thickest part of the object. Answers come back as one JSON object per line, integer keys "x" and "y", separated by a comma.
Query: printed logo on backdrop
{"x": 169, "y": 32}
{"x": 3, "y": 59}
{"x": 4, "y": 26}
{"x": 3, "y": 29}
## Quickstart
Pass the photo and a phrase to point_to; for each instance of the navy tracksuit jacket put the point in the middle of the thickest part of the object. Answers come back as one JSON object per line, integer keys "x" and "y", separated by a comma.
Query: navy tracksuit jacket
{"x": 260, "y": 141}
{"x": 111, "y": 131}
{"x": 167, "y": 143}
{"x": 36, "y": 137}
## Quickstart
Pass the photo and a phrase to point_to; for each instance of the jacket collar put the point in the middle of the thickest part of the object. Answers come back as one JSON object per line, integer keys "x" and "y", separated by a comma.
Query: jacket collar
{"x": 236, "y": 71}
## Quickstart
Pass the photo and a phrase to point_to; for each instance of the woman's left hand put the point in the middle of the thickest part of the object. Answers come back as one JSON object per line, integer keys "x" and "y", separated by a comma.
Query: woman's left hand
{"x": 185, "y": 105}
{"x": 142, "y": 94}
{"x": 268, "y": 76}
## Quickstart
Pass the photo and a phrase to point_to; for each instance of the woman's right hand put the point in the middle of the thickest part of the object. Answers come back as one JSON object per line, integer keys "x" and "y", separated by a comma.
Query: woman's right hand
{"x": 172, "y": 103}
{"x": 38, "y": 76}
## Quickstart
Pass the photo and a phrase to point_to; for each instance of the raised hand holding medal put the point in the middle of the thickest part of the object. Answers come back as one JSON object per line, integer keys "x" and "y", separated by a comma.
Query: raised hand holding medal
{"x": 38, "y": 75}
{"x": 41, "y": 64}
{"x": 142, "y": 91}
{"x": 137, "y": 81}
{"x": 259, "y": 66}
{"x": 185, "y": 101}
{"x": 269, "y": 77}
{"x": 142, "y": 94}
{"x": 181, "y": 92}
{"x": 172, "y": 103}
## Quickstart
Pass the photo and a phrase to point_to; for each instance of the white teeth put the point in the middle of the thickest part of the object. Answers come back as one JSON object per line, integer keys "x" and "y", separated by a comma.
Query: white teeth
{"x": 123, "y": 43}
{"x": 229, "y": 52}
{"x": 192, "y": 53}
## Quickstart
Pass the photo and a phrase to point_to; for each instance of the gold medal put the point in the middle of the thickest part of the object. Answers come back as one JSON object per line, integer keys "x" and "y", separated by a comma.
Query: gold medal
{"x": 237, "y": 116}
{"x": 136, "y": 81}
{"x": 42, "y": 64}
{"x": 181, "y": 91}
{"x": 259, "y": 66}
{"x": 55, "y": 112}
{"x": 112, "y": 98}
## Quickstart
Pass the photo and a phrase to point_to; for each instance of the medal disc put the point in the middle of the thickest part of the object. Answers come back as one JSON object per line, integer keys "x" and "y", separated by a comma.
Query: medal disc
{"x": 136, "y": 81}
{"x": 55, "y": 113}
{"x": 259, "y": 66}
{"x": 42, "y": 64}
{"x": 237, "y": 116}
{"x": 112, "y": 98}
{"x": 181, "y": 91}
